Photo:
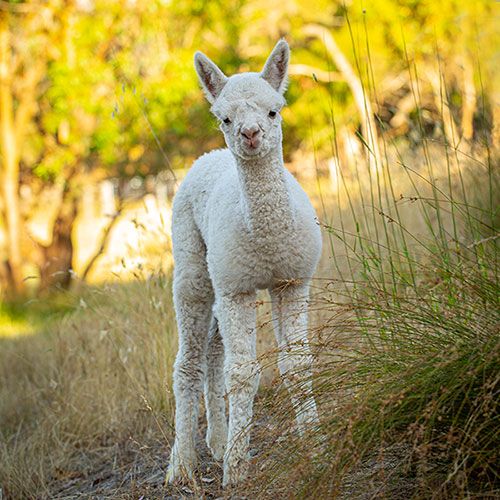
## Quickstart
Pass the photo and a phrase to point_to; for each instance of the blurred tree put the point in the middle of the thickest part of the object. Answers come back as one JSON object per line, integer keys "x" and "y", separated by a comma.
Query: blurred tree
{"x": 113, "y": 94}
{"x": 406, "y": 55}
{"x": 91, "y": 89}
{"x": 362, "y": 100}
{"x": 19, "y": 79}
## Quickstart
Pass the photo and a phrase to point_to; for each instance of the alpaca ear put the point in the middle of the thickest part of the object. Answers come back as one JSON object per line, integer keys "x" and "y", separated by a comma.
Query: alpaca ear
{"x": 275, "y": 70}
{"x": 212, "y": 79}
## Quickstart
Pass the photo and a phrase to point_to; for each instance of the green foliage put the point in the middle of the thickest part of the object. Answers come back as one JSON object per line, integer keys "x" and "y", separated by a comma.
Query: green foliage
{"x": 117, "y": 77}
{"x": 415, "y": 262}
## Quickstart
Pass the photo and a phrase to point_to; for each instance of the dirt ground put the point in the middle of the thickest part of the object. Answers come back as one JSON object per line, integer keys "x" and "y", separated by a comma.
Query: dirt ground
{"x": 129, "y": 470}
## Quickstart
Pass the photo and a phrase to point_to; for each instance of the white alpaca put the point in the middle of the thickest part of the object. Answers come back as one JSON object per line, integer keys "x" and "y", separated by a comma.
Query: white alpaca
{"x": 241, "y": 222}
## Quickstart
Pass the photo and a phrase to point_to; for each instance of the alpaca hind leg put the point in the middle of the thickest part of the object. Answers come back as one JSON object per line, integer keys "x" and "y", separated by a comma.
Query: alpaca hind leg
{"x": 237, "y": 318}
{"x": 294, "y": 359}
{"x": 214, "y": 393}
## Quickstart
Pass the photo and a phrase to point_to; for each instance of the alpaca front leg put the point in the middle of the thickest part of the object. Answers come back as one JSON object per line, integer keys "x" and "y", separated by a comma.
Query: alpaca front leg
{"x": 189, "y": 373}
{"x": 294, "y": 359}
{"x": 237, "y": 319}
{"x": 214, "y": 393}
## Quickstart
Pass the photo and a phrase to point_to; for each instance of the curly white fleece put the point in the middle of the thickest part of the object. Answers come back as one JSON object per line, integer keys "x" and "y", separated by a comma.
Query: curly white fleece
{"x": 241, "y": 222}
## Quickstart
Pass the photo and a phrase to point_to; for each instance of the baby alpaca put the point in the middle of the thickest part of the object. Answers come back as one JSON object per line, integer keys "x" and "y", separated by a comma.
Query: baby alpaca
{"x": 241, "y": 222}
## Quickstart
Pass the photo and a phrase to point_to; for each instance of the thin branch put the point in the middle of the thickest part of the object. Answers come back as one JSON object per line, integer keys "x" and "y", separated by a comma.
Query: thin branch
{"x": 469, "y": 99}
{"x": 484, "y": 240}
{"x": 319, "y": 74}
{"x": 104, "y": 242}
{"x": 362, "y": 101}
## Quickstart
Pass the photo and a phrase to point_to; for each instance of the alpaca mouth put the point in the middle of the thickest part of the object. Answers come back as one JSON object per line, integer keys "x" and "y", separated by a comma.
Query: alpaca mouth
{"x": 248, "y": 151}
{"x": 252, "y": 144}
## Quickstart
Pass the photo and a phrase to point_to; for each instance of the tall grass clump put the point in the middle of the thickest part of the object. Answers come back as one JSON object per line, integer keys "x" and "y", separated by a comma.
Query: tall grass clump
{"x": 407, "y": 372}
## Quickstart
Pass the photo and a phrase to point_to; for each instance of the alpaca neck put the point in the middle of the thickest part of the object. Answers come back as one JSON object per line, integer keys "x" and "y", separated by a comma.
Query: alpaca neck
{"x": 265, "y": 197}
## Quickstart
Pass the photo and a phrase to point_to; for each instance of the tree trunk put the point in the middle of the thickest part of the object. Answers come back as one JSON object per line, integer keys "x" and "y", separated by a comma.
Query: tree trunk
{"x": 469, "y": 100}
{"x": 495, "y": 127}
{"x": 55, "y": 271}
{"x": 6, "y": 285}
{"x": 368, "y": 126}
{"x": 438, "y": 84}
{"x": 105, "y": 239}
{"x": 10, "y": 160}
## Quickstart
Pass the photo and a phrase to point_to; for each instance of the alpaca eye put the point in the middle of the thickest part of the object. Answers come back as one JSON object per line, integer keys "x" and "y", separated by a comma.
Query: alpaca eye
{"x": 272, "y": 114}
{"x": 227, "y": 121}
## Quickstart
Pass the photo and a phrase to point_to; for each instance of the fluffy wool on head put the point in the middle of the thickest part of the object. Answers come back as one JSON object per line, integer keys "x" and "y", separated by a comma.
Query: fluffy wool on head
{"x": 248, "y": 105}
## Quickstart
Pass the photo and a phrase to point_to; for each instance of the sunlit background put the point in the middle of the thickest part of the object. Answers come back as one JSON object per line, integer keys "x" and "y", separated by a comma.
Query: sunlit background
{"x": 392, "y": 127}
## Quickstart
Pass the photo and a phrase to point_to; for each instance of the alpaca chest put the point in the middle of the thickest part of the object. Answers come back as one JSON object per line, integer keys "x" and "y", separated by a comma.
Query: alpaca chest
{"x": 246, "y": 263}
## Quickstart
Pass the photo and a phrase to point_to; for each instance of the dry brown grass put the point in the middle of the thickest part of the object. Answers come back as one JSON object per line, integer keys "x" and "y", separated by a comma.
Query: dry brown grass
{"x": 407, "y": 367}
{"x": 96, "y": 379}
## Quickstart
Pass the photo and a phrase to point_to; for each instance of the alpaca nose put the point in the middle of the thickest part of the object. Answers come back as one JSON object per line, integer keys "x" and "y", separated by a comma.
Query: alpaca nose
{"x": 250, "y": 132}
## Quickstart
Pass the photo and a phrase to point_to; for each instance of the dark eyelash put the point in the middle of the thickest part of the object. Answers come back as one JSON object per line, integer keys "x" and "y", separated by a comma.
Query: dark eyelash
{"x": 272, "y": 114}
{"x": 227, "y": 121}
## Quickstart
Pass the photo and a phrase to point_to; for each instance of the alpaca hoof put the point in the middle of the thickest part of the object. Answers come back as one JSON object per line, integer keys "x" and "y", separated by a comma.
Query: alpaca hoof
{"x": 178, "y": 474}
{"x": 181, "y": 468}
{"x": 234, "y": 474}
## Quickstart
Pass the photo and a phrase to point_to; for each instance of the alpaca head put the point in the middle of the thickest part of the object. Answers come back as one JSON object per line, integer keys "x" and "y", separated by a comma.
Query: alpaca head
{"x": 248, "y": 105}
